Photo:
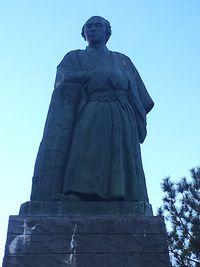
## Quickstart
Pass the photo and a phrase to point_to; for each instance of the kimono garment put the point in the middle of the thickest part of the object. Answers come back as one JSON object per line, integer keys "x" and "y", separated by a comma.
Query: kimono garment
{"x": 96, "y": 121}
{"x": 104, "y": 157}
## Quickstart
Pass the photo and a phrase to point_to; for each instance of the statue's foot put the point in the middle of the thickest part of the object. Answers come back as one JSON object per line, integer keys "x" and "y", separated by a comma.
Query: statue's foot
{"x": 76, "y": 196}
{"x": 72, "y": 197}
{"x": 68, "y": 197}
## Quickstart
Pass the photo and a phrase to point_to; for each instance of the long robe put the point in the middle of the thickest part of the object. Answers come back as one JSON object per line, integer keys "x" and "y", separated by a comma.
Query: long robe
{"x": 96, "y": 120}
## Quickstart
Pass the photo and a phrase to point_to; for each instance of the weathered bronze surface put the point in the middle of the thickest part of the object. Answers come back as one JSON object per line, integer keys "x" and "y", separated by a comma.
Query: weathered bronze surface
{"x": 90, "y": 149}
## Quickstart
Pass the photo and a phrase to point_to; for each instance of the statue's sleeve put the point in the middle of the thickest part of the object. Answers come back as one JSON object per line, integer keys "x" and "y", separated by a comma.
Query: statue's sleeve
{"x": 68, "y": 71}
{"x": 140, "y": 89}
{"x": 66, "y": 97}
{"x": 58, "y": 131}
{"x": 145, "y": 98}
{"x": 140, "y": 99}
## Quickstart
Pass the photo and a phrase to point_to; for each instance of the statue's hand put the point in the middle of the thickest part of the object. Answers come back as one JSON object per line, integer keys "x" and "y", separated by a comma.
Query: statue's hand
{"x": 86, "y": 77}
{"x": 96, "y": 74}
{"x": 80, "y": 77}
{"x": 115, "y": 85}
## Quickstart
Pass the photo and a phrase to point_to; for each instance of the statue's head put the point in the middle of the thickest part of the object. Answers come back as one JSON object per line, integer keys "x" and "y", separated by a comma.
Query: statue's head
{"x": 96, "y": 29}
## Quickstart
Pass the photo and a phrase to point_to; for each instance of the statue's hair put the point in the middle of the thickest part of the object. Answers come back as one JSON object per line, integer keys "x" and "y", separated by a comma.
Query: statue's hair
{"x": 107, "y": 24}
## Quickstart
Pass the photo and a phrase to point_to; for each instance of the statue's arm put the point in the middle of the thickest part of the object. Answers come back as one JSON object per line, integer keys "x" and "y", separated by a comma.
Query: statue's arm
{"x": 69, "y": 72}
{"x": 145, "y": 98}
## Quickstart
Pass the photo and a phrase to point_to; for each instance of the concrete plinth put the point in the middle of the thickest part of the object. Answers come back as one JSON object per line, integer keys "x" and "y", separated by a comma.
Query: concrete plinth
{"x": 86, "y": 241}
{"x": 86, "y": 208}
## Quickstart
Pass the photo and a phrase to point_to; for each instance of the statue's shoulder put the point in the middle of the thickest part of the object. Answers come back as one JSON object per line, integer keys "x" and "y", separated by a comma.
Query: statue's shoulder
{"x": 126, "y": 61}
{"x": 73, "y": 53}
{"x": 122, "y": 56}
{"x": 71, "y": 56}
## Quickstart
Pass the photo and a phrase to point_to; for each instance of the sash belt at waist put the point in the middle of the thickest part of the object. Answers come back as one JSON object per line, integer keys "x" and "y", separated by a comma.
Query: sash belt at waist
{"x": 117, "y": 95}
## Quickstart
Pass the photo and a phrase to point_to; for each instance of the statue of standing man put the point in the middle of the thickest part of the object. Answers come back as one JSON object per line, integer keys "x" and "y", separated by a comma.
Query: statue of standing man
{"x": 90, "y": 148}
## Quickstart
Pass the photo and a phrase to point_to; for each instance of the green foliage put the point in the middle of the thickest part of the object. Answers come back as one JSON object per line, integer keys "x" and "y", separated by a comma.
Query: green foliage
{"x": 181, "y": 209}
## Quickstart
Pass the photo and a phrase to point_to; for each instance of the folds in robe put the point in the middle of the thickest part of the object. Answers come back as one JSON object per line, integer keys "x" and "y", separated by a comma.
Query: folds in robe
{"x": 70, "y": 101}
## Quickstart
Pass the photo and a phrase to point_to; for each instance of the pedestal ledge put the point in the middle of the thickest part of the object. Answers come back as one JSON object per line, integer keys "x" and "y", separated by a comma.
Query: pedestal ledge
{"x": 60, "y": 208}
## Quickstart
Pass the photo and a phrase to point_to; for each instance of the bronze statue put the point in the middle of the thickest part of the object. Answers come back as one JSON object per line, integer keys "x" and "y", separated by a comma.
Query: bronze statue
{"x": 96, "y": 121}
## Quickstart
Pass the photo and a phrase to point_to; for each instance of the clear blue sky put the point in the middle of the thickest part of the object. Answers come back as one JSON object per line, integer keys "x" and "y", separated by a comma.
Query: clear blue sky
{"x": 161, "y": 37}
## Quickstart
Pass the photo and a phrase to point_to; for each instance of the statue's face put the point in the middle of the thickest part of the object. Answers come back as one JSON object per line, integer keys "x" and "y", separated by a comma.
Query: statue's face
{"x": 95, "y": 31}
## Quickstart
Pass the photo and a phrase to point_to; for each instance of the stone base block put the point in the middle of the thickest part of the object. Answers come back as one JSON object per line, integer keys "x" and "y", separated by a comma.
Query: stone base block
{"x": 86, "y": 241}
{"x": 86, "y": 208}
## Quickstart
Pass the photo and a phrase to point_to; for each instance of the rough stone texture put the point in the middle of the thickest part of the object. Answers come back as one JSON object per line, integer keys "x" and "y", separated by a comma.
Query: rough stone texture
{"x": 86, "y": 225}
{"x": 84, "y": 241}
{"x": 83, "y": 260}
{"x": 101, "y": 243}
{"x": 86, "y": 208}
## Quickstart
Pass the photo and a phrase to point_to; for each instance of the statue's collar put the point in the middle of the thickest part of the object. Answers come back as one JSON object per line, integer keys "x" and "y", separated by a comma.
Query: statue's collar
{"x": 93, "y": 50}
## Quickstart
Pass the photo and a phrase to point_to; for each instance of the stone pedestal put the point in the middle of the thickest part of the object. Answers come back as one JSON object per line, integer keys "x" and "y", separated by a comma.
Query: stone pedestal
{"x": 86, "y": 208}
{"x": 85, "y": 240}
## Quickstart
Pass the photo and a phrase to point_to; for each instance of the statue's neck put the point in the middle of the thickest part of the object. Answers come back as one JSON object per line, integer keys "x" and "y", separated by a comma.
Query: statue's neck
{"x": 97, "y": 46}
{"x": 97, "y": 49}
